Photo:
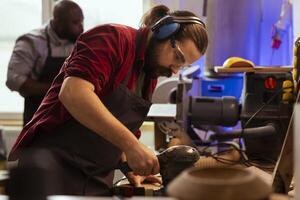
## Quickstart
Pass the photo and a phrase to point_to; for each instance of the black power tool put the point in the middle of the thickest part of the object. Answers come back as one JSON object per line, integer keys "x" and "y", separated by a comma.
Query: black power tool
{"x": 172, "y": 161}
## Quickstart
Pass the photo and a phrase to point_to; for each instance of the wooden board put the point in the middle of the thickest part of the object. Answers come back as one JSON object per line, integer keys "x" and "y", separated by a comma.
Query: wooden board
{"x": 61, "y": 197}
{"x": 257, "y": 69}
{"x": 149, "y": 186}
{"x": 123, "y": 188}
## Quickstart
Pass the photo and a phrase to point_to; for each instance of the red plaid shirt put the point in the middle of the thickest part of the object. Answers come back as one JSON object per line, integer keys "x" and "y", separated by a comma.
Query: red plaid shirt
{"x": 102, "y": 56}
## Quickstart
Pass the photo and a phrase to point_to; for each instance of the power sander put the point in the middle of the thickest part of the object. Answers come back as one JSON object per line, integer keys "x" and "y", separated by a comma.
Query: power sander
{"x": 172, "y": 162}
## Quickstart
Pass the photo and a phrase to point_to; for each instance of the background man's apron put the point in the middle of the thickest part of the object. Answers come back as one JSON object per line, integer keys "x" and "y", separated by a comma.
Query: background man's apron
{"x": 49, "y": 71}
{"x": 81, "y": 152}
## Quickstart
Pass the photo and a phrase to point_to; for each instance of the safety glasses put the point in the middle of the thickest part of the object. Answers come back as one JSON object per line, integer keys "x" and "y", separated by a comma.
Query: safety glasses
{"x": 179, "y": 57}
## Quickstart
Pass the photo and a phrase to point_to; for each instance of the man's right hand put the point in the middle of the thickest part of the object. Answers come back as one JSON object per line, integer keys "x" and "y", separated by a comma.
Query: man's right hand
{"x": 33, "y": 88}
{"x": 142, "y": 160}
{"x": 77, "y": 93}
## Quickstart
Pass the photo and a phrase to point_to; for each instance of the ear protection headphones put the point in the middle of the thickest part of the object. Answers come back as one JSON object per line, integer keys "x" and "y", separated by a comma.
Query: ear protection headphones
{"x": 169, "y": 25}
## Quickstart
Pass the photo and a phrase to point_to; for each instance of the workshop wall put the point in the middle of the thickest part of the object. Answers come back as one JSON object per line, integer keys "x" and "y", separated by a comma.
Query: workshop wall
{"x": 296, "y": 18}
{"x": 239, "y": 24}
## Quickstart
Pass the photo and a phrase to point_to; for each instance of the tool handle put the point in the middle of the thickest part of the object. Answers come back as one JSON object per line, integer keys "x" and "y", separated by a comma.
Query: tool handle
{"x": 124, "y": 167}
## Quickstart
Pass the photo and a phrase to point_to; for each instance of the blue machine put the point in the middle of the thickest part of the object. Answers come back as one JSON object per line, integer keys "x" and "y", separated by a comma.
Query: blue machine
{"x": 217, "y": 86}
{"x": 222, "y": 86}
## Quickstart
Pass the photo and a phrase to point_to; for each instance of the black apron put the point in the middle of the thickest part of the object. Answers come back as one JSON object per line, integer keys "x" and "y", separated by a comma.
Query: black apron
{"x": 82, "y": 152}
{"x": 49, "y": 71}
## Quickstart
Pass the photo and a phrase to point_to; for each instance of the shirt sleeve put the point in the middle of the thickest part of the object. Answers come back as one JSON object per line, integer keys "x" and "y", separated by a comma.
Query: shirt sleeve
{"x": 21, "y": 64}
{"x": 95, "y": 58}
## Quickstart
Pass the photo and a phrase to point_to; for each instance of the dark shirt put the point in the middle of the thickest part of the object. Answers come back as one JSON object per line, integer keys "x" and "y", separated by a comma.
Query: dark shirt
{"x": 103, "y": 56}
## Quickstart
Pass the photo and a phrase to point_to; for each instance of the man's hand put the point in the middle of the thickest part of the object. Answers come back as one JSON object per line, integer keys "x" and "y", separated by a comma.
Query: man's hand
{"x": 77, "y": 93}
{"x": 137, "y": 180}
{"x": 142, "y": 160}
{"x": 33, "y": 88}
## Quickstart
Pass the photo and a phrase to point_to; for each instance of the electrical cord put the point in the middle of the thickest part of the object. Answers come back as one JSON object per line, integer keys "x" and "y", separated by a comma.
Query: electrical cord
{"x": 254, "y": 115}
{"x": 264, "y": 105}
{"x": 260, "y": 109}
{"x": 244, "y": 160}
{"x": 220, "y": 159}
{"x": 256, "y": 162}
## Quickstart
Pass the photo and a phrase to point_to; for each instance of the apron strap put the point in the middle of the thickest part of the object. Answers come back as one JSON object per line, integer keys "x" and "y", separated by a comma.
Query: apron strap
{"x": 48, "y": 42}
{"x": 49, "y": 54}
{"x": 138, "y": 45}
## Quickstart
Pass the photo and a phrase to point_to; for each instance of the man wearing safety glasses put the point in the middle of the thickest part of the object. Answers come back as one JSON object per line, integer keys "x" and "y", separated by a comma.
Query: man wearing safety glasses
{"x": 90, "y": 117}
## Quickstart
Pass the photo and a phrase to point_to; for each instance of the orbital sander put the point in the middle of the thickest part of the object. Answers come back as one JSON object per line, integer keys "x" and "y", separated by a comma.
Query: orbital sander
{"x": 172, "y": 161}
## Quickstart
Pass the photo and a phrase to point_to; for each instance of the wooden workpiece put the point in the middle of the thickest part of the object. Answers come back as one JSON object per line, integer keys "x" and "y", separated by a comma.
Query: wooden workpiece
{"x": 273, "y": 197}
{"x": 124, "y": 188}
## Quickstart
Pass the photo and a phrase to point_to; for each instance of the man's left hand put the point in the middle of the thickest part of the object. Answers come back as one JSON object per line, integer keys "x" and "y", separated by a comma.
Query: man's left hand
{"x": 137, "y": 180}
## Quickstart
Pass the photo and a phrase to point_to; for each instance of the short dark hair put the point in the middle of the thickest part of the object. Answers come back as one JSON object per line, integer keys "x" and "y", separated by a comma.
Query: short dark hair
{"x": 62, "y": 8}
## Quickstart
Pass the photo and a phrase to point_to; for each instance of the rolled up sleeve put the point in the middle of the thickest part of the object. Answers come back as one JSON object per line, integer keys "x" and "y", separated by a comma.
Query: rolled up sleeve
{"x": 21, "y": 64}
{"x": 94, "y": 58}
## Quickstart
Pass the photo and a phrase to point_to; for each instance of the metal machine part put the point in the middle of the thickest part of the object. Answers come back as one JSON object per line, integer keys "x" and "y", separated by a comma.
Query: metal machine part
{"x": 172, "y": 161}
{"x": 264, "y": 92}
{"x": 184, "y": 86}
{"x": 213, "y": 111}
{"x": 182, "y": 101}
{"x": 165, "y": 91}
{"x": 170, "y": 128}
{"x": 195, "y": 111}
{"x": 262, "y": 104}
{"x": 249, "y": 133}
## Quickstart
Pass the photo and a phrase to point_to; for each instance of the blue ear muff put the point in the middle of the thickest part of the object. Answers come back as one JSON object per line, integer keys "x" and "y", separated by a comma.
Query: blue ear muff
{"x": 166, "y": 30}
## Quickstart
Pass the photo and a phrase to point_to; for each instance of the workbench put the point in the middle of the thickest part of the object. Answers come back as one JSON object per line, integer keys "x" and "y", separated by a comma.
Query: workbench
{"x": 273, "y": 197}
{"x": 96, "y": 198}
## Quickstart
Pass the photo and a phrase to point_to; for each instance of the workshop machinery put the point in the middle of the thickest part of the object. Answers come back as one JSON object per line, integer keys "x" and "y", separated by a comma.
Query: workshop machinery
{"x": 284, "y": 170}
{"x": 265, "y": 110}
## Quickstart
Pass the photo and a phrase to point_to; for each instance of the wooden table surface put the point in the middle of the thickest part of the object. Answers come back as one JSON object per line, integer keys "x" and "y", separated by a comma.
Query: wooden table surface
{"x": 97, "y": 198}
{"x": 273, "y": 197}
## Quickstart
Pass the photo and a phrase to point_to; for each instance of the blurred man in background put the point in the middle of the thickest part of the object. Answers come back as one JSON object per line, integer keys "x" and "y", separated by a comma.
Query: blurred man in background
{"x": 38, "y": 55}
